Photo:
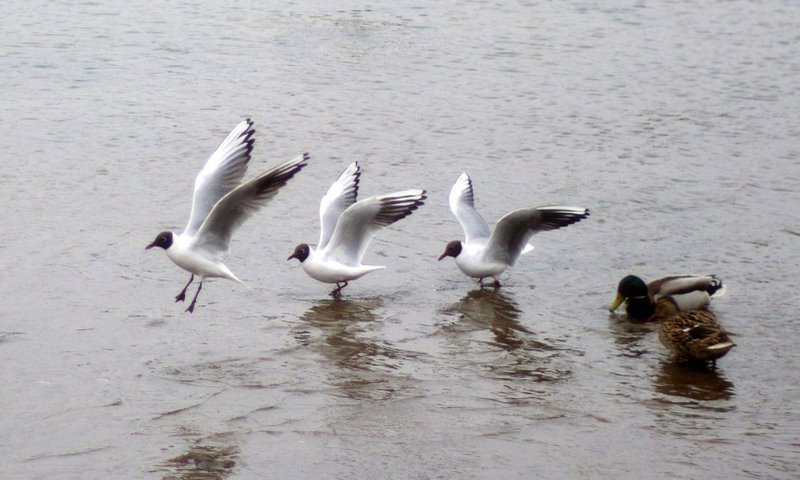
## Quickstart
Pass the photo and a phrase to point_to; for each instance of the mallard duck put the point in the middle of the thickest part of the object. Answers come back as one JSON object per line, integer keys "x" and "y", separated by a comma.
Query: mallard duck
{"x": 690, "y": 292}
{"x": 693, "y": 335}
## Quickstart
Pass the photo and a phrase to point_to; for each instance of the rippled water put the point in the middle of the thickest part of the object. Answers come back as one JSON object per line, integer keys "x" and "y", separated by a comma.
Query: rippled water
{"x": 676, "y": 123}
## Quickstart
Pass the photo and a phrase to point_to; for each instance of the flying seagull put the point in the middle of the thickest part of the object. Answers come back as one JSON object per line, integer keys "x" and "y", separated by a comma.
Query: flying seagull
{"x": 220, "y": 205}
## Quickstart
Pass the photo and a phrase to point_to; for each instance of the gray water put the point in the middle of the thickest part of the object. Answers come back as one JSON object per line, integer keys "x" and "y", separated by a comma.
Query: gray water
{"x": 676, "y": 123}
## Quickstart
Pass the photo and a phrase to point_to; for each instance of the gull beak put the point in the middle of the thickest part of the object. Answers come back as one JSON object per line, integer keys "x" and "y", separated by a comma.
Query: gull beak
{"x": 442, "y": 255}
{"x": 150, "y": 246}
{"x": 291, "y": 257}
{"x": 617, "y": 302}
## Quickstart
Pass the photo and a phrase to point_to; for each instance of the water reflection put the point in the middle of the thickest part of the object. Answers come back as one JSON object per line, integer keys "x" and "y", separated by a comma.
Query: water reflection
{"x": 691, "y": 401}
{"x": 338, "y": 333}
{"x": 340, "y": 323}
{"x": 203, "y": 462}
{"x": 693, "y": 381}
{"x": 630, "y": 337}
{"x": 524, "y": 357}
{"x": 482, "y": 308}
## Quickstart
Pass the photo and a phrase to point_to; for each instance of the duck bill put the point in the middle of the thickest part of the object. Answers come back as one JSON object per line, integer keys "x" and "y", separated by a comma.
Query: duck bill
{"x": 617, "y": 302}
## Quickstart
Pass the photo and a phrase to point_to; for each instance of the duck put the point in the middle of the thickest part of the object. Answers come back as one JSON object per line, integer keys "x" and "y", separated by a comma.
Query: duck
{"x": 690, "y": 292}
{"x": 695, "y": 335}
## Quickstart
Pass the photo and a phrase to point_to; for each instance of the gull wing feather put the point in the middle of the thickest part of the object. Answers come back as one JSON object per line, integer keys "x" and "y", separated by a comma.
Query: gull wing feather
{"x": 512, "y": 232}
{"x": 342, "y": 194}
{"x": 222, "y": 173}
{"x": 359, "y": 223}
{"x": 239, "y": 204}
{"x": 462, "y": 204}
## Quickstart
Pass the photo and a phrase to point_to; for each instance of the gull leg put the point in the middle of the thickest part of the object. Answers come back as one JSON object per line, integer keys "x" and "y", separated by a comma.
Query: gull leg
{"x": 182, "y": 296}
{"x": 337, "y": 292}
{"x": 194, "y": 300}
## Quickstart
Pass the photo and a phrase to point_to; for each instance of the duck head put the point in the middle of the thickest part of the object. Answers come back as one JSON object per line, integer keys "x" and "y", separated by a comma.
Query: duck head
{"x": 629, "y": 287}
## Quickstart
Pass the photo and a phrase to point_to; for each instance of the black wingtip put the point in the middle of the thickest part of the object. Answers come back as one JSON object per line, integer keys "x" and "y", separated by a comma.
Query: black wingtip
{"x": 357, "y": 181}
{"x": 248, "y": 133}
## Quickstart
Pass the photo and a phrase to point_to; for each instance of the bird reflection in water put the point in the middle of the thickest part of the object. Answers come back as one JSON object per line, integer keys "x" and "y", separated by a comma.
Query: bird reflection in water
{"x": 203, "y": 461}
{"x": 693, "y": 381}
{"x": 492, "y": 309}
{"x": 483, "y": 308}
{"x": 632, "y": 338}
{"x": 339, "y": 329}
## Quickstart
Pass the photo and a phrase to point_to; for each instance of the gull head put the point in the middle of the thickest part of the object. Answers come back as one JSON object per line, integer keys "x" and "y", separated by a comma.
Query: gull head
{"x": 301, "y": 252}
{"x": 163, "y": 240}
{"x": 453, "y": 249}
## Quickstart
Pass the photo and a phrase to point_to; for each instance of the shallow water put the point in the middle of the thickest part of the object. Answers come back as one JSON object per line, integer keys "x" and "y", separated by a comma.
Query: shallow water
{"x": 675, "y": 123}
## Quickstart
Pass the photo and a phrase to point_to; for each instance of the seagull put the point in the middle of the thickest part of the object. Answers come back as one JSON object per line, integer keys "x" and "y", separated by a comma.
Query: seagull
{"x": 487, "y": 254}
{"x": 220, "y": 205}
{"x": 348, "y": 226}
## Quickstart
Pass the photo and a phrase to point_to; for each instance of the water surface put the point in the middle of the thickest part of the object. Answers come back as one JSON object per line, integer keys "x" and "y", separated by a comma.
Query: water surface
{"x": 676, "y": 123}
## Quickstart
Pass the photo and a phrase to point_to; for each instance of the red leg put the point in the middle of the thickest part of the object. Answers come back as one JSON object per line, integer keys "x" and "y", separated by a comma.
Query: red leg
{"x": 337, "y": 292}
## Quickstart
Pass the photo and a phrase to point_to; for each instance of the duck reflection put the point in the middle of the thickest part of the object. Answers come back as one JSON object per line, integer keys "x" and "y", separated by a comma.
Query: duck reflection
{"x": 338, "y": 334}
{"x": 203, "y": 461}
{"x": 693, "y": 381}
{"x": 630, "y": 337}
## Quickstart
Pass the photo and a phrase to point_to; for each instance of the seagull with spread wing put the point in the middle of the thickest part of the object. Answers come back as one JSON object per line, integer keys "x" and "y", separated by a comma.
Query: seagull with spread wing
{"x": 485, "y": 253}
{"x": 347, "y": 227}
{"x": 220, "y": 206}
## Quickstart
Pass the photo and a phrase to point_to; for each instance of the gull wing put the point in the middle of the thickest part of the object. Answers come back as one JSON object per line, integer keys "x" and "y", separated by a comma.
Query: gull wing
{"x": 512, "y": 232}
{"x": 359, "y": 223}
{"x": 222, "y": 173}
{"x": 342, "y": 194}
{"x": 238, "y": 205}
{"x": 462, "y": 204}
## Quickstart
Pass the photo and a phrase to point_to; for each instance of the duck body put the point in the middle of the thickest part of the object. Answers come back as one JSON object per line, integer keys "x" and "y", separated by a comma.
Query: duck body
{"x": 695, "y": 335}
{"x": 690, "y": 292}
